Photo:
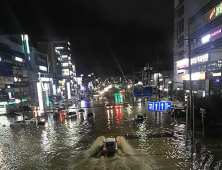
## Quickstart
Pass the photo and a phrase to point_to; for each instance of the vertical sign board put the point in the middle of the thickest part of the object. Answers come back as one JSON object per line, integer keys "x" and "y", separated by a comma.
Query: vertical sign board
{"x": 159, "y": 106}
{"x": 162, "y": 106}
{"x": 156, "y": 106}
{"x": 150, "y": 106}
{"x": 168, "y": 105}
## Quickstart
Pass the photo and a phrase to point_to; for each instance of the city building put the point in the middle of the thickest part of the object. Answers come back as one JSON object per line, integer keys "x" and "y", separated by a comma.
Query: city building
{"x": 197, "y": 32}
{"x": 14, "y": 64}
{"x": 62, "y": 64}
{"x": 42, "y": 87}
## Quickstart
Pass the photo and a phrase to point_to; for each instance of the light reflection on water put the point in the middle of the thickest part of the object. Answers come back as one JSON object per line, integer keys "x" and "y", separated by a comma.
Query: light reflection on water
{"x": 52, "y": 147}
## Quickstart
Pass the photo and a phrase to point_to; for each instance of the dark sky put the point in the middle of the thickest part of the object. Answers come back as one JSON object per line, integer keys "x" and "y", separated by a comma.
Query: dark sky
{"x": 105, "y": 34}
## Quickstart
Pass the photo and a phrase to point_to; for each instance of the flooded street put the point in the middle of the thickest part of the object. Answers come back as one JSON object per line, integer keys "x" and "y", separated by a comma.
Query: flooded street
{"x": 157, "y": 142}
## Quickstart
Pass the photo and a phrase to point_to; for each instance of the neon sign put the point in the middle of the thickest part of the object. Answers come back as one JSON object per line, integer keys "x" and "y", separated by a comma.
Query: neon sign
{"x": 215, "y": 33}
{"x": 219, "y": 9}
{"x": 212, "y": 13}
{"x": 207, "y": 37}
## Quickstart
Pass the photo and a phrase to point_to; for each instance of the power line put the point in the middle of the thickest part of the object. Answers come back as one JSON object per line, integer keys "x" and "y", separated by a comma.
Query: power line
{"x": 168, "y": 53}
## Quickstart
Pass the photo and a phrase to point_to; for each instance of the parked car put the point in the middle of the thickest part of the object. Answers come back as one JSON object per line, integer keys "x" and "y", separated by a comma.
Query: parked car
{"x": 138, "y": 117}
{"x": 30, "y": 121}
{"x": 70, "y": 115}
{"x": 19, "y": 123}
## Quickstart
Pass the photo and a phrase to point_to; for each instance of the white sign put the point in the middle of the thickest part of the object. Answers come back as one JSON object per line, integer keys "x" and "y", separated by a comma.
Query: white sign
{"x": 182, "y": 63}
{"x": 199, "y": 59}
{"x": 59, "y": 48}
{"x": 217, "y": 74}
{"x": 180, "y": 71}
{"x": 45, "y": 79}
{"x": 43, "y": 68}
{"x": 18, "y": 59}
{"x": 206, "y": 38}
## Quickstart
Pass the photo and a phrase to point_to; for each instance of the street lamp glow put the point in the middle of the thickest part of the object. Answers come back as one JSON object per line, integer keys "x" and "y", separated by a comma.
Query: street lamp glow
{"x": 140, "y": 83}
{"x": 129, "y": 86}
{"x": 170, "y": 82}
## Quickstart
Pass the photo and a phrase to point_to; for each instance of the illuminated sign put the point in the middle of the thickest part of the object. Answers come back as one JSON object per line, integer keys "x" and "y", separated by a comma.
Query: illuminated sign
{"x": 65, "y": 64}
{"x": 207, "y": 37}
{"x": 194, "y": 76}
{"x": 45, "y": 79}
{"x": 199, "y": 59}
{"x": 218, "y": 9}
{"x": 68, "y": 90}
{"x": 18, "y": 59}
{"x": 59, "y": 48}
{"x": 65, "y": 72}
{"x": 43, "y": 68}
{"x": 180, "y": 71}
{"x": 182, "y": 63}
{"x": 217, "y": 80}
{"x": 215, "y": 33}
{"x": 217, "y": 74}
{"x": 212, "y": 13}
{"x": 64, "y": 56}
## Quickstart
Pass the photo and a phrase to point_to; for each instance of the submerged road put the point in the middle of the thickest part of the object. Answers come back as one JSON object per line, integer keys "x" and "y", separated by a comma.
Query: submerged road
{"x": 157, "y": 142}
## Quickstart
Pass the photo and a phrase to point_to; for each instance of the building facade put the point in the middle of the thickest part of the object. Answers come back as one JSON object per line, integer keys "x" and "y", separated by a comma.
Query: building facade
{"x": 14, "y": 61}
{"x": 198, "y": 31}
{"x": 61, "y": 63}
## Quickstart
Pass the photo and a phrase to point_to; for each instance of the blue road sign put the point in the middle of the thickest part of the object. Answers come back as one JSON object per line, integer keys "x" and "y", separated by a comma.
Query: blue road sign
{"x": 142, "y": 91}
{"x": 168, "y": 106}
{"x": 162, "y": 106}
{"x": 156, "y": 106}
{"x": 159, "y": 106}
{"x": 150, "y": 106}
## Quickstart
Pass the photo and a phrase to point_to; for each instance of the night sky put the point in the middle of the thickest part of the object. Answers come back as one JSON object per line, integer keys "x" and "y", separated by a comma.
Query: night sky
{"x": 105, "y": 34}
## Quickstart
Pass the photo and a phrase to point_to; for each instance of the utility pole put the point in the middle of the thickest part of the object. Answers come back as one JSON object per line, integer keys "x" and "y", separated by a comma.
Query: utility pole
{"x": 190, "y": 89}
{"x": 158, "y": 81}
{"x": 20, "y": 95}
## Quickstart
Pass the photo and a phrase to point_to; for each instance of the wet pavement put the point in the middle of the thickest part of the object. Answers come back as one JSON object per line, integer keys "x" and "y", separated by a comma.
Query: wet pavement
{"x": 157, "y": 142}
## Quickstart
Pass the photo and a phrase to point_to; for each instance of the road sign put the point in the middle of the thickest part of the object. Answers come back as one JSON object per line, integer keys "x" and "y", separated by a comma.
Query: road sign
{"x": 150, "y": 106}
{"x": 156, "y": 106}
{"x": 142, "y": 91}
{"x": 168, "y": 106}
{"x": 162, "y": 106}
{"x": 159, "y": 106}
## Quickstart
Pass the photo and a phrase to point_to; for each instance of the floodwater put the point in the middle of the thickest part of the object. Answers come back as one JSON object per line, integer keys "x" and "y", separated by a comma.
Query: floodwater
{"x": 158, "y": 142}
